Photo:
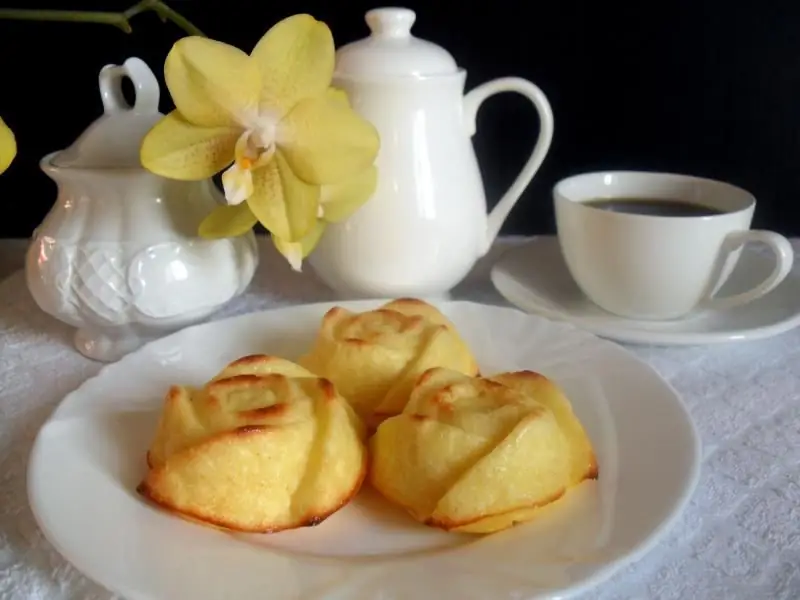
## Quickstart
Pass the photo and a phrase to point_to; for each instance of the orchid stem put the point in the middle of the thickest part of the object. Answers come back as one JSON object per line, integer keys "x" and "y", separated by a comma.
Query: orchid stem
{"x": 121, "y": 20}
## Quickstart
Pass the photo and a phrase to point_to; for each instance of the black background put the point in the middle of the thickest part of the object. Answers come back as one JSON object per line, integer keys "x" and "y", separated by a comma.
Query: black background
{"x": 707, "y": 87}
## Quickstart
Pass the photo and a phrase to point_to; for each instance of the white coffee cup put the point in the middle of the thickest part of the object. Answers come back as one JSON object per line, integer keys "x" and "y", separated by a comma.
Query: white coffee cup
{"x": 657, "y": 267}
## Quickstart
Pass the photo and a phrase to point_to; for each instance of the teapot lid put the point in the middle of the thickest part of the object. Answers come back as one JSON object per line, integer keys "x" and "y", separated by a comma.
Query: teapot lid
{"x": 114, "y": 139}
{"x": 391, "y": 50}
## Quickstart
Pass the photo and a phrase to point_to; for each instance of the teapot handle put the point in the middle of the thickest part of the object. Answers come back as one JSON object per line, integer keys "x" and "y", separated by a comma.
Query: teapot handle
{"x": 472, "y": 103}
{"x": 145, "y": 86}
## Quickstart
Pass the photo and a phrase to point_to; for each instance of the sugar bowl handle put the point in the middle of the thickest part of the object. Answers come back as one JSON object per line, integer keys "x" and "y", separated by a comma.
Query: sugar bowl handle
{"x": 472, "y": 103}
{"x": 145, "y": 87}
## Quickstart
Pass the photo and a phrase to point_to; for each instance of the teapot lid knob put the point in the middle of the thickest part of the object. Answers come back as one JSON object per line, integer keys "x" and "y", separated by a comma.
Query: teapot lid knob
{"x": 391, "y": 51}
{"x": 391, "y": 22}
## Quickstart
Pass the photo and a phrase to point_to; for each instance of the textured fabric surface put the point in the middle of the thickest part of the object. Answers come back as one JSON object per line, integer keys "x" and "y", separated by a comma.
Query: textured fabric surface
{"x": 739, "y": 539}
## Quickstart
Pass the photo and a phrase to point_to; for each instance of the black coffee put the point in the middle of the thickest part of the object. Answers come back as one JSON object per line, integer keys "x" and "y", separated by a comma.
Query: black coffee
{"x": 654, "y": 207}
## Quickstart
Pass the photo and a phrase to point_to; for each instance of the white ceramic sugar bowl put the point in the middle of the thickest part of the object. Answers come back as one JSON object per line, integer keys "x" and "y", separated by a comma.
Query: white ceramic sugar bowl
{"x": 118, "y": 255}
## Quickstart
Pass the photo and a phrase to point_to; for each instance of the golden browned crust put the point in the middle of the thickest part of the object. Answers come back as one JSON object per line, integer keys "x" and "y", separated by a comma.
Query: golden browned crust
{"x": 198, "y": 424}
{"x": 309, "y": 520}
{"x": 450, "y": 524}
{"x": 439, "y": 476}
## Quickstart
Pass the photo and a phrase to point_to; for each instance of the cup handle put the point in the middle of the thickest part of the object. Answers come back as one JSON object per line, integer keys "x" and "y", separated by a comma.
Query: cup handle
{"x": 472, "y": 103}
{"x": 784, "y": 259}
{"x": 144, "y": 81}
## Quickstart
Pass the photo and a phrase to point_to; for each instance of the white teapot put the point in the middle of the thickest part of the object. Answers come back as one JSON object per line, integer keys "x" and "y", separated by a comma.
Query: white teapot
{"x": 427, "y": 223}
{"x": 118, "y": 256}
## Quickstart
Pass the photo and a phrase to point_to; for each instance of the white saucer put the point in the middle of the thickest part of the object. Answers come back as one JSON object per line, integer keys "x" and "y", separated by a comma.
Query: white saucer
{"x": 535, "y": 278}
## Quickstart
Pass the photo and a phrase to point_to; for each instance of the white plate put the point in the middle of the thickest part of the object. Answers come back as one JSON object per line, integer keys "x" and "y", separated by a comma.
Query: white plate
{"x": 534, "y": 277}
{"x": 89, "y": 457}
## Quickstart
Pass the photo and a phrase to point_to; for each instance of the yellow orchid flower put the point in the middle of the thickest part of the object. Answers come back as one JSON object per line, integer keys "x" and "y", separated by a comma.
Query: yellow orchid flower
{"x": 272, "y": 115}
{"x": 295, "y": 252}
{"x": 337, "y": 203}
{"x": 8, "y": 146}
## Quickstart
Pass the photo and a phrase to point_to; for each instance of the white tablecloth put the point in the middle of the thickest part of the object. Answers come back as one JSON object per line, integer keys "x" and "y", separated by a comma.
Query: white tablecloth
{"x": 738, "y": 540}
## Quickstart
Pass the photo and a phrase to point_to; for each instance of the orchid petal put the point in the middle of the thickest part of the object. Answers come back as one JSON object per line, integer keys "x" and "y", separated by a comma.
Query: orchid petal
{"x": 336, "y": 95}
{"x": 227, "y": 221}
{"x": 8, "y": 146}
{"x": 237, "y": 184}
{"x": 296, "y": 60}
{"x": 326, "y": 142}
{"x": 283, "y": 204}
{"x": 212, "y": 84}
{"x": 340, "y": 200}
{"x": 177, "y": 149}
{"x": 295, "y": 252}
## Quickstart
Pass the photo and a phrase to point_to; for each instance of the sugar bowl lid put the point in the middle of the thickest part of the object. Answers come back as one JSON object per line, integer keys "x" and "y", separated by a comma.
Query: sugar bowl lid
{"x": 391, "y": 50}
{"x": 114, "y": 139}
